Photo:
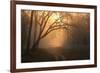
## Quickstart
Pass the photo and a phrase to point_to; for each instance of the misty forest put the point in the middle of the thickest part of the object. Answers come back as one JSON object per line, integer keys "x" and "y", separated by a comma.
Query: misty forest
{"x": 54, "y": 36}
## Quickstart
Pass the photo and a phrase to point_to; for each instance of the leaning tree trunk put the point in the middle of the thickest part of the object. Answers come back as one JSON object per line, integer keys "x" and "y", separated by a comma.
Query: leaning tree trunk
{"x": 36, "y": 44}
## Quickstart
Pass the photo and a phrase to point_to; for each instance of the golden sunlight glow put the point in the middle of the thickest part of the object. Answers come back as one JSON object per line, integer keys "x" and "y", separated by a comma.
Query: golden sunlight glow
{"x": 56, "y": 17}
{"x": 58, "y": 38}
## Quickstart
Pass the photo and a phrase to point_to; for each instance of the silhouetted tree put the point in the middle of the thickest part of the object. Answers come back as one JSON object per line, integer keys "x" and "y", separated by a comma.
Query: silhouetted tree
{"x": 39, "y": 25}
{"x": 42, "y": 28}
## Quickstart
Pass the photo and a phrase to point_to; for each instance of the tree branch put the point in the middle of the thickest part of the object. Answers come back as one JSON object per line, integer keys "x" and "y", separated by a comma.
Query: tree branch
{"x": 53, "y": 30}
{"x": 45, "y": 22}
{"x": 41, "y": 18}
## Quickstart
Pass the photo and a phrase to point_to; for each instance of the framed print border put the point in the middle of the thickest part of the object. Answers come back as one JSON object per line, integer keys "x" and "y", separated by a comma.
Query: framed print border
{"x": 13, "y": 35}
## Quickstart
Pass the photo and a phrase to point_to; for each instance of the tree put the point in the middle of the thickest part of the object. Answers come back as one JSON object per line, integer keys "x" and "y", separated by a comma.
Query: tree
{"x": 58, "y": 23}
{"x": 42, "y": 23}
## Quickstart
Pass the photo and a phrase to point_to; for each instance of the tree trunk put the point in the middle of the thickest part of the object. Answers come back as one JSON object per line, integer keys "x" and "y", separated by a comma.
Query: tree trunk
{"x": 29, "y": 33}
{"x": 36, "y": 44}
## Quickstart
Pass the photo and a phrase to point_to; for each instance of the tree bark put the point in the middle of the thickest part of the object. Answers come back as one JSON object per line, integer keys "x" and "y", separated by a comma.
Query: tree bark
{"x": 29, "y": 33}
